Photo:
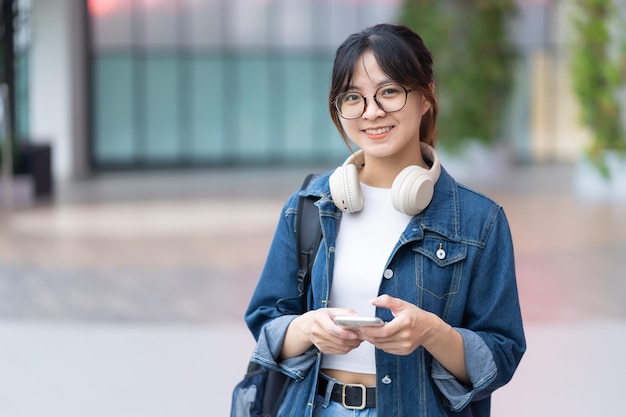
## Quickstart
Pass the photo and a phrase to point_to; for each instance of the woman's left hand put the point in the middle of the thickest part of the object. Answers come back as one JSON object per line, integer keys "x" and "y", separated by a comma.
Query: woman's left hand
{"x": 411, "y": 327}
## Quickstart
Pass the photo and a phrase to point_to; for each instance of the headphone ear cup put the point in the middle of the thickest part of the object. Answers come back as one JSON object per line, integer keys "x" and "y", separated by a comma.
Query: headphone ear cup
{"x": 412, "y": 190}
{"x": 345, "y": 189}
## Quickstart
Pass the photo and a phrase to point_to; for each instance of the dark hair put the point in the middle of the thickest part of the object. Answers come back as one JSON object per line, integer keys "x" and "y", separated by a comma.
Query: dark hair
{"x": 403, "y": 57}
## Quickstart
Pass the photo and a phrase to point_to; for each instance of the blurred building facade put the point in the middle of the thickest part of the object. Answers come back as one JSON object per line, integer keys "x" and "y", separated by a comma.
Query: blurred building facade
{"x": 182, "y": 83}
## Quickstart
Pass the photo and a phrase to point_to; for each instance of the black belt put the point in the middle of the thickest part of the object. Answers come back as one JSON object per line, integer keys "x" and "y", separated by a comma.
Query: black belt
{"x": 353, "y": 396}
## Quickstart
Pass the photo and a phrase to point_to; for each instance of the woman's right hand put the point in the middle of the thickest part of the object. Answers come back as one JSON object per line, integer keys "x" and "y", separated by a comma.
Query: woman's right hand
{"x": 316, "y": 327}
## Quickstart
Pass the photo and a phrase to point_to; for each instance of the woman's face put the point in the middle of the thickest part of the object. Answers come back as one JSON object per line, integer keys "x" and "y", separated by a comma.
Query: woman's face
{"x": 392, "y": 135}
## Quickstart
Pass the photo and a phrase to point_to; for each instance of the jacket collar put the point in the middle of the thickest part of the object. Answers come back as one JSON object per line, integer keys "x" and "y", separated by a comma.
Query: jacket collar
{"x": 443, "y": 213}
{"x": 441, "y": 216}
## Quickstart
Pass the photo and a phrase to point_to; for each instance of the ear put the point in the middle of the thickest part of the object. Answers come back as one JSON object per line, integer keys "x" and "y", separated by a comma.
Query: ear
{"x": 425, "y": 102}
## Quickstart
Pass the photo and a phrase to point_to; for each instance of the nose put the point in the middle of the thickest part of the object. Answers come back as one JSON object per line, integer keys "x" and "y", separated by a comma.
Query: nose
{"x": 372, "y": 108}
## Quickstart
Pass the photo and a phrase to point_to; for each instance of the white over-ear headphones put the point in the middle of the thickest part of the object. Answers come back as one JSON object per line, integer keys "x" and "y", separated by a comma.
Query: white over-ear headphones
{"x": 411, "y": 191}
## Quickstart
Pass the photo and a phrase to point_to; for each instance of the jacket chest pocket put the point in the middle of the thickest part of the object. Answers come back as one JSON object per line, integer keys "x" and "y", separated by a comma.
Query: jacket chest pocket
{"x": 439, "y": 266}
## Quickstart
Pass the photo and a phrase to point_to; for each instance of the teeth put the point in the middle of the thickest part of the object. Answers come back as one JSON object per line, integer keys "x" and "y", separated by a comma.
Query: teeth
{"x": 377, "y": 131}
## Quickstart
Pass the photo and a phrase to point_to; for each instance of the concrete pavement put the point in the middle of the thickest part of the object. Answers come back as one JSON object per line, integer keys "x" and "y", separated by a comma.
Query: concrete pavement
{"x": 124, "y": 297}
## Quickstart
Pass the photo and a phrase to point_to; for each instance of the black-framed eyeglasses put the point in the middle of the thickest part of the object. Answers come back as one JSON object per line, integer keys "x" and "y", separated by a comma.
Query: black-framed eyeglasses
{"x": 390, "y": 98}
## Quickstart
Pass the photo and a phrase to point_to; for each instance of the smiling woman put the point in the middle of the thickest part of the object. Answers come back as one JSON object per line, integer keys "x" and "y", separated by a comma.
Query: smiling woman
{"x": 403, "y": 242}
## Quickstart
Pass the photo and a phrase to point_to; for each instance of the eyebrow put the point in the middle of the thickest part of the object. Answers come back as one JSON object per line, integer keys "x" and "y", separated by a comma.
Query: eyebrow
{"x": 380, "y": 84}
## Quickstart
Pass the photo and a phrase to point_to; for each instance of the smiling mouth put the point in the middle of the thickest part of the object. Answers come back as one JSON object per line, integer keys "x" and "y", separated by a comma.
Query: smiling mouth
{"x": 378, "y": 131}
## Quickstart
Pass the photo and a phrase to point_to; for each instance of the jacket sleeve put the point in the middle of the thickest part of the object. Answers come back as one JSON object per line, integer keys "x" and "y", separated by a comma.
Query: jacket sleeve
{"x": 481, "y": 370}
{"x": 275, "y": 301}
{"x": 269, "y": 345}
{"x": 492, "y": 330}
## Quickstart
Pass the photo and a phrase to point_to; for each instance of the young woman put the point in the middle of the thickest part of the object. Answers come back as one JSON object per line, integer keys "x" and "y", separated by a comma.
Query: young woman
{"x": 402, "y": 241}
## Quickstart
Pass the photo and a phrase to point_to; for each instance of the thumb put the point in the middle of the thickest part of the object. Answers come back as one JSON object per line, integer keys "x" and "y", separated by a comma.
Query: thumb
{"x": 395, "y": 305}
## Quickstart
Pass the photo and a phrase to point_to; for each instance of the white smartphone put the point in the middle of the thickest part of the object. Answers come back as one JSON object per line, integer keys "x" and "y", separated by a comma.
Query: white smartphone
{"x": 354, "y": 322}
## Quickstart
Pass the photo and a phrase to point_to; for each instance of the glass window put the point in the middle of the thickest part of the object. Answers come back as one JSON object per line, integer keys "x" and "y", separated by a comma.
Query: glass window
{"x": 298, "y": 113}
{"x": 208, "y": 108}
{"x": 252, "y": 108}
{"x": 213, "y": 81}
{"x": 114, "y": 121}
{"x": 162, "y": 108}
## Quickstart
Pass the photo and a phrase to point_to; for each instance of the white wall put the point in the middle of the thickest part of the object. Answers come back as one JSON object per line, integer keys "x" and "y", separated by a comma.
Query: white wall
{"x": 57, "y": 110}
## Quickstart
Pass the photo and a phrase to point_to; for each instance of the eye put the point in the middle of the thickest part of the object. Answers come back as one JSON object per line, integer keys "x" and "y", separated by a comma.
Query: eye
{"x": 390, "y": 91}
{"x": 351, "y": 97}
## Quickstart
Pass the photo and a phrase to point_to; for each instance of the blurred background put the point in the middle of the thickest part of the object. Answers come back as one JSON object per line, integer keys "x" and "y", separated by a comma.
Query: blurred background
{"x": 147, "y": 147}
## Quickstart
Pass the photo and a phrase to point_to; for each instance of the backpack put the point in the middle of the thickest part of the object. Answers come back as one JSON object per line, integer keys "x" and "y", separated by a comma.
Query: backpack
{"x": 261, "y": 391}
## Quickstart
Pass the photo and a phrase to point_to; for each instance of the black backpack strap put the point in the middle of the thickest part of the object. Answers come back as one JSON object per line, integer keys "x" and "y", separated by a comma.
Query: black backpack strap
{"x": 308, "y": 236}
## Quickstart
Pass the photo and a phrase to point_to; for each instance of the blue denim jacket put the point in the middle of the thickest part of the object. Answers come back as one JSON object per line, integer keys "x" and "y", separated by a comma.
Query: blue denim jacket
{"x": 473, "y": 288}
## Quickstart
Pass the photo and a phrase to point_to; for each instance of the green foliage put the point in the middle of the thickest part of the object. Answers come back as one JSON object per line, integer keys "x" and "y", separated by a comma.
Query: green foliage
{"x": 597, "y": 77}
{"x": 474, "y": 62}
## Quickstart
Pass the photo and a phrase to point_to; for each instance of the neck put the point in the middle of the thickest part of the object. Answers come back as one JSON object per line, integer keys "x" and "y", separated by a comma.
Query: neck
{"x": 381, "y": 172}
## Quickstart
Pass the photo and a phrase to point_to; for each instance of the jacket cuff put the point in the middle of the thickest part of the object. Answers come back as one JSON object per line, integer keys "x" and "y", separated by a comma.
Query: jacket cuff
{"x": 480, "y": 367}
{"x": 270, "y": 343}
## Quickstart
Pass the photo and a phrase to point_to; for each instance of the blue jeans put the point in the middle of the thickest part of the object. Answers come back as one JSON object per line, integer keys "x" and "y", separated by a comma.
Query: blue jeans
{"x": 325, "y": 408}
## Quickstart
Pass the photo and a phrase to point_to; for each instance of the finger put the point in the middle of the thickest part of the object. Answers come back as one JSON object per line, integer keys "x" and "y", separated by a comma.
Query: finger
{"x": 334, "y": 339}
{"x": 377, "y": 340}
{"x": 396, "y": 347}
{"x": 336, "y": 345}
{"x": 340, "y": 333}
{"x": 395, "y": 305}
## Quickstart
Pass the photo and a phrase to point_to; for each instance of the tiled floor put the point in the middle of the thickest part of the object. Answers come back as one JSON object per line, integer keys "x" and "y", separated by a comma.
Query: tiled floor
{"x": 127, "y": 293}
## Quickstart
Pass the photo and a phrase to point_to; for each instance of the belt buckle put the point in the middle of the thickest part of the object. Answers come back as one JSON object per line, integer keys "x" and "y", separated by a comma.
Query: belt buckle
{"x": 363, "y": 396}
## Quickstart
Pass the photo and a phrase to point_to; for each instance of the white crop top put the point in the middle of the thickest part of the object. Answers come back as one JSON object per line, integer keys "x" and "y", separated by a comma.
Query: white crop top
{"x": 364, "y": 243}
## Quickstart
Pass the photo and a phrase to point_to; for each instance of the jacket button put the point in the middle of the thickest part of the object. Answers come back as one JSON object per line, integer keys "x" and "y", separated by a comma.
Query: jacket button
{"x": 441, "y": 254}
{"x": 388, "y": 273}
{"x": 386, "y": 380}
